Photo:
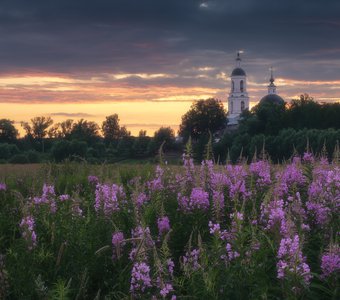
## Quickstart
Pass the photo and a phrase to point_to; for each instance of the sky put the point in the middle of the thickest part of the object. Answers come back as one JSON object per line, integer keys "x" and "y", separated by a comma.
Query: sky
{"x": 148, "y": 60}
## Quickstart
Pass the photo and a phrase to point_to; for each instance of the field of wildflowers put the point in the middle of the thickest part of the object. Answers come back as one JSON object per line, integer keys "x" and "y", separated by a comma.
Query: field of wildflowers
{"x": 258, "y": 231}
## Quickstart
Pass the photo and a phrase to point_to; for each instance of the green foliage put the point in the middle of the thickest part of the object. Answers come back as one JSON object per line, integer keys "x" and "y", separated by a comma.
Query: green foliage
{"x": 64, "y": 149}
{"x": 19, "y": 159}
{"x": 8, "y": 150}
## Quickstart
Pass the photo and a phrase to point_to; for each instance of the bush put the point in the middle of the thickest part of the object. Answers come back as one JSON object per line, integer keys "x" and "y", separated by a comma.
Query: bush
{"x": 33, "y": 157}
{"x": 19, "y": 159}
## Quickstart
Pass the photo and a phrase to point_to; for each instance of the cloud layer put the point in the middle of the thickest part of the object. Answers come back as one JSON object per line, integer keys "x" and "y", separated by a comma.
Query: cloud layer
{"x": 169, "y": 51}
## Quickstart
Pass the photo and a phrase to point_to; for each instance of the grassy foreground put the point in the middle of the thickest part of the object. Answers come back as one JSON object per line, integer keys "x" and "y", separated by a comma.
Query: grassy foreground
{"x": 259, "y": 231}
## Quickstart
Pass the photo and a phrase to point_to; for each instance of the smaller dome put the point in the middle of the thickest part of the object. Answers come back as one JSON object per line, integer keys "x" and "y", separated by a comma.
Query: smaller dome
{"x": 272, "y": 98}
{"x": 238, "y": 72}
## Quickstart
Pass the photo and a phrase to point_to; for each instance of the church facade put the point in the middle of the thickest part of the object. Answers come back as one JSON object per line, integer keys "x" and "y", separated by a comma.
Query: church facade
{"x": 238, "y": 99}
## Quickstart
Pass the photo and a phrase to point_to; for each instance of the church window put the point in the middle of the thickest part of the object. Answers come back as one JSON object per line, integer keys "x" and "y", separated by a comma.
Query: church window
{"x": 241, "y": 86}
{"x": 232, "y": 85}
{"x": 242, "y": 105}
{"x": 231, "y": 106}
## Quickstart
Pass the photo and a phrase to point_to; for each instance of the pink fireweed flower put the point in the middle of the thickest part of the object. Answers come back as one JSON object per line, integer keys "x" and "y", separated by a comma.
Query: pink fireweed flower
{"x": 273, "y": 215}
{"x": 117, "y": 244}
{"x": 140, "y": 235}
{"x": 237, "y": 182}
{"x": 237, "y": 216}
{"x": 167, "y": 288}
{"x": 157, "y": 183}
{"x": 308, "y": 157}
{"x": 261, "y": 170}
{"x": 330, "y": 262}
{"x": 218, "y": 202}
{"x": 140, "y": 278}
{"x": 207, "y": 169}
{"x": 214, "y": 228}
{"x": 3, "y": 187}
{"x": 64, "y": 197}
{"x": 141, "y": 199}
{"x": 27, "y": 226}
{"x": 290, "y": 177}
{"x": 190, "y": 261}
{"x": 93, "y": 180}
{"x": 189, "y": 167}
{"x": 107, "y": 198}
{"x": 291, "y": 260}
{"x": 230, "y": 254}
{"x": 163, "y": 225}
{"x": 48, "y": 197}
{"x": 199, "y": 200}
{"x": 171, "y": 266}
{"x": 324, "y": 196}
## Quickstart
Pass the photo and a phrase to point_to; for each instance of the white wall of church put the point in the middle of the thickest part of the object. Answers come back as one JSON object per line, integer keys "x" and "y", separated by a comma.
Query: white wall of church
{"x": 238, "y": 98}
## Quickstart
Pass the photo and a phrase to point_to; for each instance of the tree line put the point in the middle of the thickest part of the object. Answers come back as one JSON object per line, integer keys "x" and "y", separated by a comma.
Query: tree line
{"x": 279, "y": 130}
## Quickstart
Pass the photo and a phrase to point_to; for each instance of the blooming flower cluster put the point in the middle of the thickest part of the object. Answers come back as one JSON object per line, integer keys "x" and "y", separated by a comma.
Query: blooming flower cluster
{"x": 237, "y": 182}
{"x": 142, "y": 242}
{"x": 156, "y": 184}
{"x": 93, "y": 180}
{"x": 190, "y": 261}
{"x": 107, "y": 198}
{"x": 231, "y": 217}
{"x": 261, "y": 170}
{"x": 330, "y": 262}
{"x": 163, "y": 224}
{"x": 3, "y": 186}
{"x": 27, "y": 226}
{"x": 291, "y": 261}
{"x": 324, "y": 196}
{"x": 140, "y": 278}
{"x": 47, "y": 197}
{"x": 117, "y": 244}
{"x": 198, "y": 200}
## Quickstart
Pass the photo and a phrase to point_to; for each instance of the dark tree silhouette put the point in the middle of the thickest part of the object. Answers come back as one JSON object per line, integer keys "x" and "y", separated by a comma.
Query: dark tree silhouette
{"x": 203, "y": 116}
{"x": 8, "y": 133}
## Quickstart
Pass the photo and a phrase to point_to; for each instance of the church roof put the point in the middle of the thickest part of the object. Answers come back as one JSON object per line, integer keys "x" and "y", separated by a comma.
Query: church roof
{"x": 238, "y": 72}
{"x": 272, "y": 98}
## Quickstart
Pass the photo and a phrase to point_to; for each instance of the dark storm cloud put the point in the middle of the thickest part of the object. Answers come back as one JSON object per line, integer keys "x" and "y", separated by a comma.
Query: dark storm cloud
{"x": 300, "y": 38}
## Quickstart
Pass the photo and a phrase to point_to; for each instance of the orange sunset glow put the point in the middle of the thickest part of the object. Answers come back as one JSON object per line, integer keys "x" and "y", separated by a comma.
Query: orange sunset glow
{"x": 139, "y": 107}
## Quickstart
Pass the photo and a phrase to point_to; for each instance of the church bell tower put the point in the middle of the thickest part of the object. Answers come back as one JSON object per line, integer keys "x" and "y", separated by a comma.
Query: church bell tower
{"x": 238, "y": 99}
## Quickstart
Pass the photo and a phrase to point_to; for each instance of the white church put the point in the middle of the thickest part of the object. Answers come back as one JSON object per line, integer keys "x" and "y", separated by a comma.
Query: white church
{"x": 238, "y": 99}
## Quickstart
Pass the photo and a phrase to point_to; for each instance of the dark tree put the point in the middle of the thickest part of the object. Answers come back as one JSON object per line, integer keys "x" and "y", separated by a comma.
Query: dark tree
{"x": 37, "y": 130}
{"x": 112, "y": 131}
{"x": 140, "y": 145}
{"x": 270, "y": 116}
{"x": 61, "y": 130}
{"x": 85, "y": 131}
{"x": 203, "y": 116}
{"x": 8, "y": 133}
{"x": 164, "y": 134}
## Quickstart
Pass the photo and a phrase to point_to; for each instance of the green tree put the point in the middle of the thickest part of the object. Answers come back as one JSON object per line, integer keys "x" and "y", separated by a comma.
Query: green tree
{"x": 202, "y": 117}
{"x": 8, "y": 133}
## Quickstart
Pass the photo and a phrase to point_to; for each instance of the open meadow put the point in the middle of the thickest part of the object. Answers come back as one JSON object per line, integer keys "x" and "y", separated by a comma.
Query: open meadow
{"x": 258, "y": 231}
